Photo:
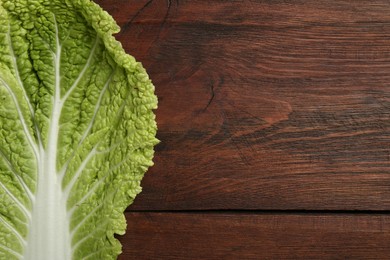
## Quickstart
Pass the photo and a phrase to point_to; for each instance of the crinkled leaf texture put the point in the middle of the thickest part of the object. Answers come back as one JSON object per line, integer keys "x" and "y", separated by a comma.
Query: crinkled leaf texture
{"x": 77, "y": 130}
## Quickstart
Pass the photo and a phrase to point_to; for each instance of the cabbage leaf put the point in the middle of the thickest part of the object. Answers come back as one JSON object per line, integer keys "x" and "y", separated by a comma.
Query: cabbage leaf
{"x": 77, "y": 130}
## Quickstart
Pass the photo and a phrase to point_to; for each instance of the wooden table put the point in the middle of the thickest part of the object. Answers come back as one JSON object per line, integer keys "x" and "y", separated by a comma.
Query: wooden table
{"x": 274, "y": 121}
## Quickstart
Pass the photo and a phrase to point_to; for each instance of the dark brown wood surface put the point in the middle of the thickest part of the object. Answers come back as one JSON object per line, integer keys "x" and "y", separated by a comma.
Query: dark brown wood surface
{"x": 256, "y": 236}
{"x": 263, "y": 105}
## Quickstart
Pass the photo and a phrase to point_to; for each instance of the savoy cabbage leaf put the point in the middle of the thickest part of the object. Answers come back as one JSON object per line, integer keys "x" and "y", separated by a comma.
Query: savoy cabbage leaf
{"x": 77, "y": 130}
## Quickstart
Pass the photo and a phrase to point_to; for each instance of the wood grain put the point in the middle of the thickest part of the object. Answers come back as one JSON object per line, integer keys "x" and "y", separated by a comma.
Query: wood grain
{"x": 265, "y": 104}
{"x": 255, "y": 236}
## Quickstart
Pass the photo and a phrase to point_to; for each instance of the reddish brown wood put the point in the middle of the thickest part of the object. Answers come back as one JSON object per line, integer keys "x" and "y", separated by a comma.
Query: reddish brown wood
{"x": 255, "y": 236}
{"x": 265, "y": 104}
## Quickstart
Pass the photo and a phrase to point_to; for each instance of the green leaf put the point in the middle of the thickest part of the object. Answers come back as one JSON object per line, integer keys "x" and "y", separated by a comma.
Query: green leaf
{"x": 77, "y": 130}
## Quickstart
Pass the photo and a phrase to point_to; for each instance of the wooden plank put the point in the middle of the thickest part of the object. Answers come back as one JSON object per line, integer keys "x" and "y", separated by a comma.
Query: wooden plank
{"x": 255, "y": 236}
{"x": 265, "y": 104}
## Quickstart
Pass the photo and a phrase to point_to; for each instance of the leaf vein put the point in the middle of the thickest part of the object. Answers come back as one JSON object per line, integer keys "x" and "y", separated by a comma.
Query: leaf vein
{"x": 86, "y": 132}
{"x": 21, "y": 181}
{"x": 22, "y": 121}
{"x": 77, "y": 174}
{"x": 18, "y": 203}
{"x": 9, "y": 250}
{"x": 82, "y": 73}
{"x": 94, "y": 187}
{"x": 18, "y": 78}
{"x": 97, "y": 228}
{"x": 10, "y": 227}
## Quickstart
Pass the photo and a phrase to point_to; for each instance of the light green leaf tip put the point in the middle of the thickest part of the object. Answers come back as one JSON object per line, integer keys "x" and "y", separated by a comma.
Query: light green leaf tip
{"x": 77, "y": 130}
